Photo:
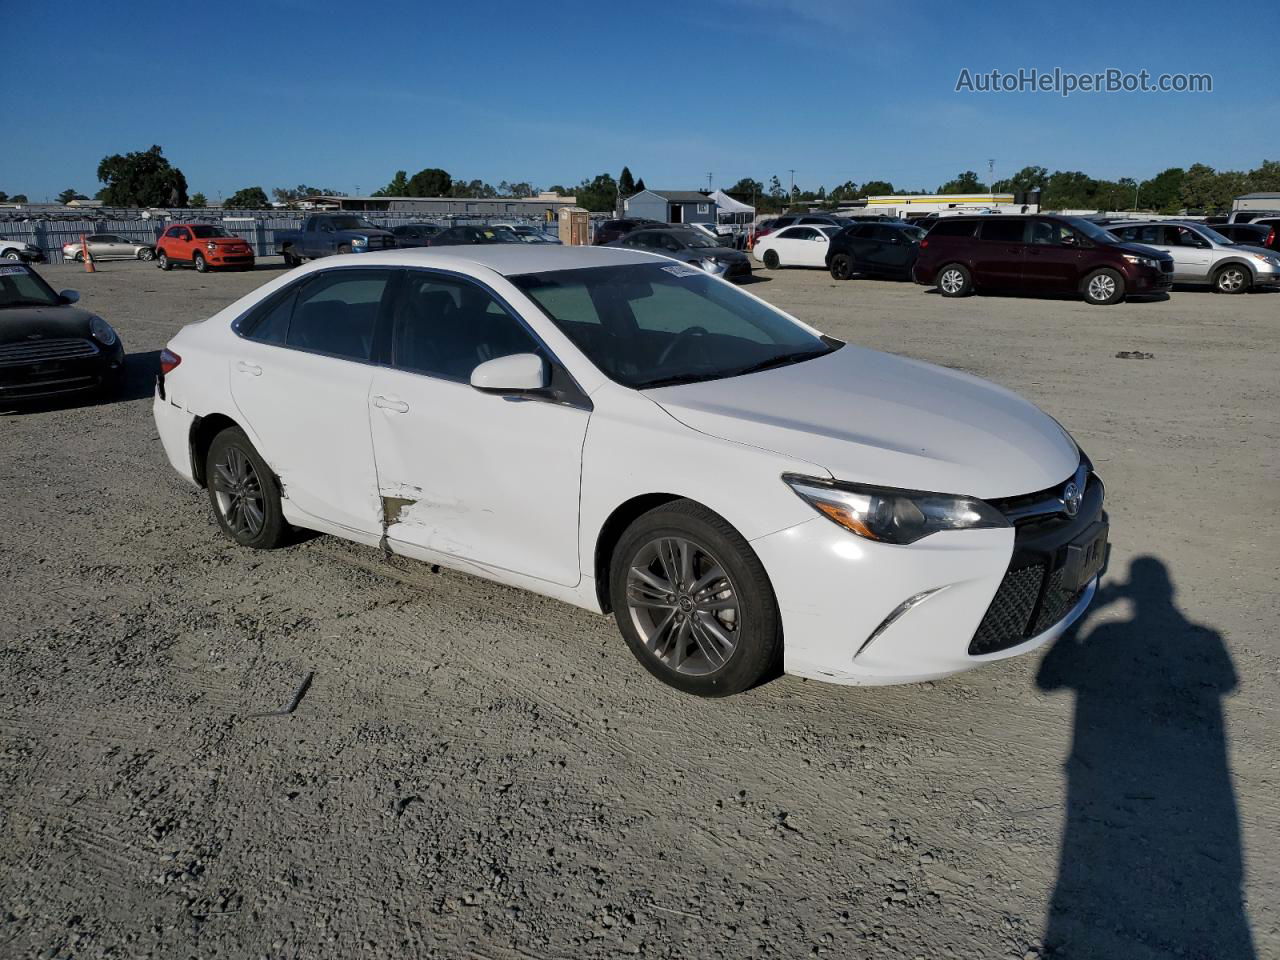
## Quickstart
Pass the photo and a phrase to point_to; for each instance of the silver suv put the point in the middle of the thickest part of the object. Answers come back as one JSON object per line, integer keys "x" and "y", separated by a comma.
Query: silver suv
{"x": 1202, "y": 255}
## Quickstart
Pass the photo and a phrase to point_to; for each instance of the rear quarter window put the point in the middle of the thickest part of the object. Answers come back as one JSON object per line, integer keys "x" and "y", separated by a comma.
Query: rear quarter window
{"x": 953, "y": 228}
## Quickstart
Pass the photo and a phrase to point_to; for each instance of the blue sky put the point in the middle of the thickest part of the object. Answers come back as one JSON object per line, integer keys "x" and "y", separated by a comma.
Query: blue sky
{"x": 277, "y": 92}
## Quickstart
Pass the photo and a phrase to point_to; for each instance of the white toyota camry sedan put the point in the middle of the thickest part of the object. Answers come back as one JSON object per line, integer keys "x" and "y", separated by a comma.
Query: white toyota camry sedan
{"x": 632, "y": 435}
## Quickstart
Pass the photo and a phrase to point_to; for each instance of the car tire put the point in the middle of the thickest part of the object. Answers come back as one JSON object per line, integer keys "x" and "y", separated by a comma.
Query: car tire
{"x": 770, "y": 260}
{"x": 79, "y": 257}
{"x": 1103, "y": 287}
{"x": 344, "y": 248}
{"x": 841, "y": 267}
{"x": 162, "y": 261}
{"x": 954, "y": 280}
{"x": 12, "y": 255}
{"x": 243, "y": 492}
{"x": 727, "y": 630}
{"x": 1233, "y": 278}
{"x": 146, "y": 254}
{"x": 198, "y": 261}
{"x": 289, "y": 259}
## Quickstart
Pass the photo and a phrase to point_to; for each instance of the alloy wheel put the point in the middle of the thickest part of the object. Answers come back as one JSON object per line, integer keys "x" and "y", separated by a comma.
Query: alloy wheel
{"x": 238, "y": 491}
{"x": 1231, "y": 280}
{"x": 951, "y": 281}
{"x": 1102, "y": 287}
{"x": 684, "y": 606}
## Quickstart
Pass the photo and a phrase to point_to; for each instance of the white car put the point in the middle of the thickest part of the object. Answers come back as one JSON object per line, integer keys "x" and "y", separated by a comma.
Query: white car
{"x": 797, "y": 246}
{"x": 630, "y": 434}
{"x": 15, "y": 249}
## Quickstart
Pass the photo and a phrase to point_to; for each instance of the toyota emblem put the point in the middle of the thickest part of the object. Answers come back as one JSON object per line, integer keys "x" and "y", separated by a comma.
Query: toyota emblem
{"x": 1072, "y": 496}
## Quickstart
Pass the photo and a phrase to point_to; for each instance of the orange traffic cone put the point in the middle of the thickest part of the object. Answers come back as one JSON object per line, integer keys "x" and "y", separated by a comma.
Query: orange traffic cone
{"x": 88, "y": 257}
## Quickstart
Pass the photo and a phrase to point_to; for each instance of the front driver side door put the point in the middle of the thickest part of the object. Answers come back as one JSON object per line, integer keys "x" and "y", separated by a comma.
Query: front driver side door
{"x": 462, "y": 473}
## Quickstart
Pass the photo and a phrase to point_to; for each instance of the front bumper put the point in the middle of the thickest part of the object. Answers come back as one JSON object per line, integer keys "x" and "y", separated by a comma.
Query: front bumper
{"x": 231, "y": 260}
{"x": 51, "y": 376}
{"x": 1148, "y": 280}
{"x": 836, "y": 591}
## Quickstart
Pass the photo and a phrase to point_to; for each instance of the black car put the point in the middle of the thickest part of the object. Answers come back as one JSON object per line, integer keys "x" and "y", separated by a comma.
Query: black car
{"x": 876, "y": 248}
{"x": 415, "y": 234}
{"x": 455, "y": 236}
{"x": 612, "y": 230}
{"x": 692, "y": 247}
{"x": 1251, "y": 234}
{"x": 47, "y": 346}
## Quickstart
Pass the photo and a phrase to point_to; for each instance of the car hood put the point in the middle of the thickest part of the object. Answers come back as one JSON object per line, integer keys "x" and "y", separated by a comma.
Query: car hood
{"x": 723, "y": 253}
{"x": 871, "y": 417}
{"x": 364, "y": 233}
{"x": 1254, "y": 248}
{"x": 19, "y": 324}
{"x": 1142, "y": 250}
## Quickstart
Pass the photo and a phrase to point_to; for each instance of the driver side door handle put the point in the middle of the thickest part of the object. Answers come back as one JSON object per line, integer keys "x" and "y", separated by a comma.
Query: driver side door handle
{"x": 397, "y": 406}
{"x": 244, "y": 366}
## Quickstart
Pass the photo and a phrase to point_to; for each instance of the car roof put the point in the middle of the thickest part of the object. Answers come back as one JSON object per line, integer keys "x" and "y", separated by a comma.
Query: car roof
{"x": 507, "y": 259}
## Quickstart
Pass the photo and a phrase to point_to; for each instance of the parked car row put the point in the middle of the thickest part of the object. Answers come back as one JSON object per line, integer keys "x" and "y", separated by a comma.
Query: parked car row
{"x": 1034, "y": 254}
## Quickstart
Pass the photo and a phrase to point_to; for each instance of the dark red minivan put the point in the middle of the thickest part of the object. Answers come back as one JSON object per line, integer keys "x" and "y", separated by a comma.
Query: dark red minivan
{"x": 1038, "y": 255}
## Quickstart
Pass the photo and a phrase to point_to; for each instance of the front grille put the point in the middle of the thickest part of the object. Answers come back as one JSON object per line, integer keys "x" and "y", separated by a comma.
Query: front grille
{"x": 36, "y": 351}
{"x": 1056, "y": 603}
{"x": 1005, "y": 623}
{"x": 386, "y": 242}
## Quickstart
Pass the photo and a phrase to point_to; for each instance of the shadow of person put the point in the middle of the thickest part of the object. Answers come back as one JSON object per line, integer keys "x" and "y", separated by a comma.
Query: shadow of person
{"x": 1151, "y": 864}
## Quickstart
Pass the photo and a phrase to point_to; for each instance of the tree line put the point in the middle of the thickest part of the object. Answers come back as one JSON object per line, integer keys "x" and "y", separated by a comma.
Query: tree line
{"x": 147, "y": 179}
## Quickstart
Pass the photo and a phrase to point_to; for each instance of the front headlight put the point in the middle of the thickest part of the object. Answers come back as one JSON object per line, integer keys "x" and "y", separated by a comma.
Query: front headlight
{"x": 101, "y": 331}
{"x": 889, "y": 515}
{"x": 360, "y": 241}
{"x": 1142, "y": 261}
{"x": 211, "y": 246}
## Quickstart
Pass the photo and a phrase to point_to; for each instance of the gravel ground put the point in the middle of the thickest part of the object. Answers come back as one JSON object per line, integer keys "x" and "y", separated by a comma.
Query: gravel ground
{"x": 478, "y": 772}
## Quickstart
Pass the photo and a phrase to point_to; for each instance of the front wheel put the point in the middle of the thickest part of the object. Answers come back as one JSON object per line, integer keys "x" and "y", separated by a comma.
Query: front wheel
{"x": 162, "y": 261}
{"x": 693, "y": 601}
{"x": 344, "y": 248}
{"x": 12, "y": 255}
{"x": 146, "y": 254}
{"x": 79, "y": 258}
{"x": 243, "y": 492}
{"x": 1103, "y": 287}
{"x": 841, "y": 267}
{"x": 1232, "y": 278}
{"x": 771, "y": 260}
{"x": 201, "y": 264}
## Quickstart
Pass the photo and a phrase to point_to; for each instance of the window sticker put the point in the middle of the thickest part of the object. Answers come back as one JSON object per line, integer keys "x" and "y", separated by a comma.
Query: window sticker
{"x": 679, "y": 270}
{"x": 13, "y": 271}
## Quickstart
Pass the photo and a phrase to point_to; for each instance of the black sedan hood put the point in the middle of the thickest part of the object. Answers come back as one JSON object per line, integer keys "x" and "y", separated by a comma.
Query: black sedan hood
{"x": 19, "y": 324}
{"x": 1139, "y": 250}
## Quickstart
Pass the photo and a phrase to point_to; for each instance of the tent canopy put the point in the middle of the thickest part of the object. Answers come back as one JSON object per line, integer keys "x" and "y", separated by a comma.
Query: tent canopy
{"x": 727, "y": 204}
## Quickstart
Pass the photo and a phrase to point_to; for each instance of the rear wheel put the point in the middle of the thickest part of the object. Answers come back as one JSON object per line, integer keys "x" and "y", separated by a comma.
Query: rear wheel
{"x": 200, "y": 264}
{"x": 771, "y": 259}
{"x": 1232, "y": 278}
{"x": 954, "y": 281}
{"x": 289, "y": 259}
{"x": 1103, "y": 287}
{"x": 146, "y": 254}
{"x": 79, "y": 256}
{"x": 841, "y": 267}
{"x": 693, "y": 601}
{"x": 243, "y": 492}
{"x": 162, "y": 260}
{"x": 12, "y": 255}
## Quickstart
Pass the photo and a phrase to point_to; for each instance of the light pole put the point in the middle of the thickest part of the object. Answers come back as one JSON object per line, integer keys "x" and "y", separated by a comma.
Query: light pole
{"x": 791, "y": 190}
{"x": 1135, "y": 196}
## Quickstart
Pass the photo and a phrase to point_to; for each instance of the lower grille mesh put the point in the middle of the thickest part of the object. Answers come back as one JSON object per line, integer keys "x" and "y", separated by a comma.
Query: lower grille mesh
{"x": 1006, "y": 620}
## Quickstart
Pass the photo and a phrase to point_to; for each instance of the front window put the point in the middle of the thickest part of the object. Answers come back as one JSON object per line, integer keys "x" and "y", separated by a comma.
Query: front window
{"x": 649, "y": 325}
{"x": 205, "y": 231}
{"x": 1091, "y": 229}
{"x": 20, "y": 287}
{"x": 352, "y": 223}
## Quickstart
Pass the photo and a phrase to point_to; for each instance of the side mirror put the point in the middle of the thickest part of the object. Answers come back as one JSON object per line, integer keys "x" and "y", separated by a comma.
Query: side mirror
{"x": 69, "y": 296}
{"x": 518, "y": 373}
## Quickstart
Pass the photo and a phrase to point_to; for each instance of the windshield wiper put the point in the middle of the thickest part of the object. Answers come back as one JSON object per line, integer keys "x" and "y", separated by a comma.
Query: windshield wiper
{"x": 27, "y": 303}
{"x": 677, "y": 379}
{"x": 781, "y": 360}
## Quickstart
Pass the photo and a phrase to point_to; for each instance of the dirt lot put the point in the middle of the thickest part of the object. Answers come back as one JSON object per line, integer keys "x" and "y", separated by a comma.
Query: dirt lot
{"x": 476, "y": 772}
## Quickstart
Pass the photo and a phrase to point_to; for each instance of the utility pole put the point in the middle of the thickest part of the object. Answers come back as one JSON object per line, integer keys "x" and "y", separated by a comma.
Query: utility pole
{"x": 991, "y": 175}
{"x": 791, "y": 191}
{"x": 1135, "y": 196}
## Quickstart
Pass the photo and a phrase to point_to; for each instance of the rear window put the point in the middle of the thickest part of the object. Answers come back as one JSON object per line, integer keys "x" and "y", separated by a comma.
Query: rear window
{"x": 953, "y": 227}
{"x": 1003, "y": 231}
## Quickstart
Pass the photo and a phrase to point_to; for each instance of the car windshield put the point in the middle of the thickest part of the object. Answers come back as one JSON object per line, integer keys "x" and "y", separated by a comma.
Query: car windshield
{"x": 21, "y": 287}
{"x": 698, "y": 241}
{"x": 204, "y": 231}
{"x": 352, "y": 223}
{"x": 1092, "y": 230}
{"x": 1211, "y": 234}
{"x": 652, "y": 324}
